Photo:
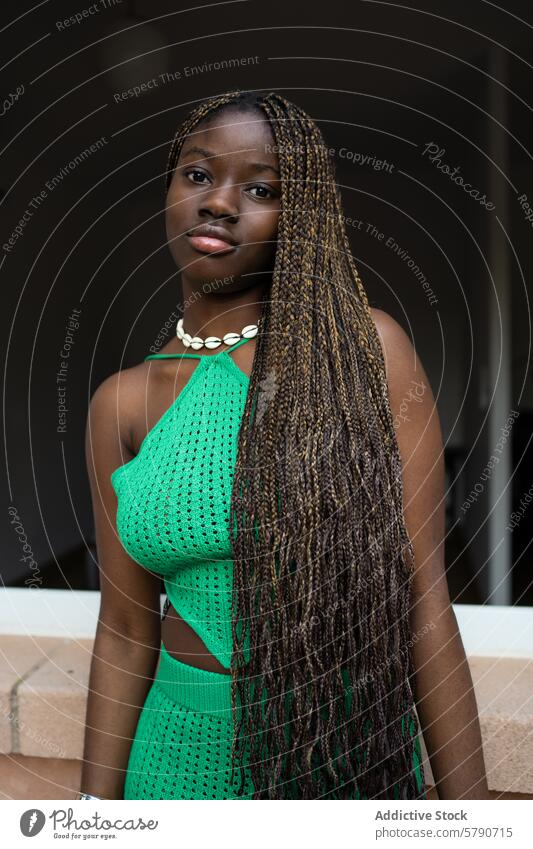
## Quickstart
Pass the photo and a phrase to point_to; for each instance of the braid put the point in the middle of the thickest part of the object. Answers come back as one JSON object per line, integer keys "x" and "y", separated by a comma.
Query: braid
{"x": 322, "y": 558}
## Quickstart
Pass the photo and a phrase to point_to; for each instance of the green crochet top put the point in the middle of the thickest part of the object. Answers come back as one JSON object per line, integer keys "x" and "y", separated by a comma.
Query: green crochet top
{"x": 173, "y": 497}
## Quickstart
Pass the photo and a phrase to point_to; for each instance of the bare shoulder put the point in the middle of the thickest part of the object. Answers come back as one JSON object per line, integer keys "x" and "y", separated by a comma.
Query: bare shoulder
{"x": 419, "y": 438}
{"x": 108, "y": 434}
{"x": 129, "y": 594}
{"x": 406, "y": 376}
{"x": 413, "y": 405}
{"x": 398, "y": 350}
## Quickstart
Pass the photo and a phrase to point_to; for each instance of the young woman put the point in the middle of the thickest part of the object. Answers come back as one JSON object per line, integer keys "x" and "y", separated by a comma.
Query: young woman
{"x": 263, "y": 465}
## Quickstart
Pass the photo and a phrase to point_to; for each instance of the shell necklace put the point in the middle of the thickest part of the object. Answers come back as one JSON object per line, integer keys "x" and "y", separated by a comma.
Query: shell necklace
{"x": 196, "y": 342}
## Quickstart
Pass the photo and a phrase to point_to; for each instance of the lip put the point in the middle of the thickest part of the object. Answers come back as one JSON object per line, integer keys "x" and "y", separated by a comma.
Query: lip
{"x": 207, "y": 239}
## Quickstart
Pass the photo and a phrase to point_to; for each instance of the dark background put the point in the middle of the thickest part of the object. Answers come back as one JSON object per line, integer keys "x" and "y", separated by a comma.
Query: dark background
{"x": 379, "y": 80}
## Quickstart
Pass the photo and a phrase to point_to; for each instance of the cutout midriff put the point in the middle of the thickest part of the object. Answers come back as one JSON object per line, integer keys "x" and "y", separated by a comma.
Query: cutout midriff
{"x": 184, "y": 644}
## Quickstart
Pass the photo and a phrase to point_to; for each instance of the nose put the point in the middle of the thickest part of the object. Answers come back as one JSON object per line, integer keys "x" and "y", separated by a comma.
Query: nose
{"x": 220, "y": 202}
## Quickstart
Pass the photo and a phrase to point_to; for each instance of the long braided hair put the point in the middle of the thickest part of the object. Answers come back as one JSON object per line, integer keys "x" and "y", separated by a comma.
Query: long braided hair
{"x": 321, "y": 666}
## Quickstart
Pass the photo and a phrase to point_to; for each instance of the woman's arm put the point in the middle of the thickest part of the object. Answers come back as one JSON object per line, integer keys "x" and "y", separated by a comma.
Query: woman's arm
{"x": 443, "y": 690}
{"x": 128, "y": 633}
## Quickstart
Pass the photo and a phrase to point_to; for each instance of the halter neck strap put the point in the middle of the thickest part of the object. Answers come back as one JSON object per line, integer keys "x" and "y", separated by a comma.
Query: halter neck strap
{"x": 195, "y": 356}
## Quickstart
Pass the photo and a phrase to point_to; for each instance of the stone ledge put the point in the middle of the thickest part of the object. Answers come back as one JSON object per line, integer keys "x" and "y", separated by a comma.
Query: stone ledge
{"x": 503, "y": 689}
{"x": 52, "y": 699}
{"x": 504, "y": 694}
{"x": 38, "y": 778}
{"x": 20, "y": 657}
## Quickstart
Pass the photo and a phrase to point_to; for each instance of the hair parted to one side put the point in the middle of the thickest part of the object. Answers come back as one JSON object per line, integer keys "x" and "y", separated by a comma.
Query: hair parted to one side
{"x": 322, "y": 558}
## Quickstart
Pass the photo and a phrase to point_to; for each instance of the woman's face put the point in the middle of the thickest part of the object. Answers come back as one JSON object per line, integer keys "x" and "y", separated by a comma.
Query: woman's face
{"x": 226, "y": 178}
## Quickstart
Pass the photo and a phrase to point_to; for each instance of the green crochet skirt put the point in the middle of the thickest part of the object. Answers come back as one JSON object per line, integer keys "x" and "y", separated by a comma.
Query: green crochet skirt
{"x": 182, "y": 743}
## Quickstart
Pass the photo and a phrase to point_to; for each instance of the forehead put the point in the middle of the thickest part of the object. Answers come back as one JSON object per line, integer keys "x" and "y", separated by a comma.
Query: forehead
{"x": 243, "y": 133}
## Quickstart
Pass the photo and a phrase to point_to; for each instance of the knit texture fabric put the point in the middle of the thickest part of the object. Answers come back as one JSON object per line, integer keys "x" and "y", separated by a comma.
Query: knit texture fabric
{"x": 173, "y": 518}
{"x": 182, "y": 744}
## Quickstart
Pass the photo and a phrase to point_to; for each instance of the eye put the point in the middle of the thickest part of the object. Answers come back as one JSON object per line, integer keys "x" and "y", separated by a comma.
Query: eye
{"x": 269, "y": 192}
{"x": 194, "y": 171}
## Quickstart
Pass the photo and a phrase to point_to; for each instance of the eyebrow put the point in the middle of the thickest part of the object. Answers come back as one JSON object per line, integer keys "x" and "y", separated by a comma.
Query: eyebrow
{"x": 207, "y": 154}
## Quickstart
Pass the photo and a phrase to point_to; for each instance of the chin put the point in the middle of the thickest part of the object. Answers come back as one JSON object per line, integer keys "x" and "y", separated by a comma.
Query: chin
{"x": 210, "y": 273}
{"x": 199, "y": 266}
